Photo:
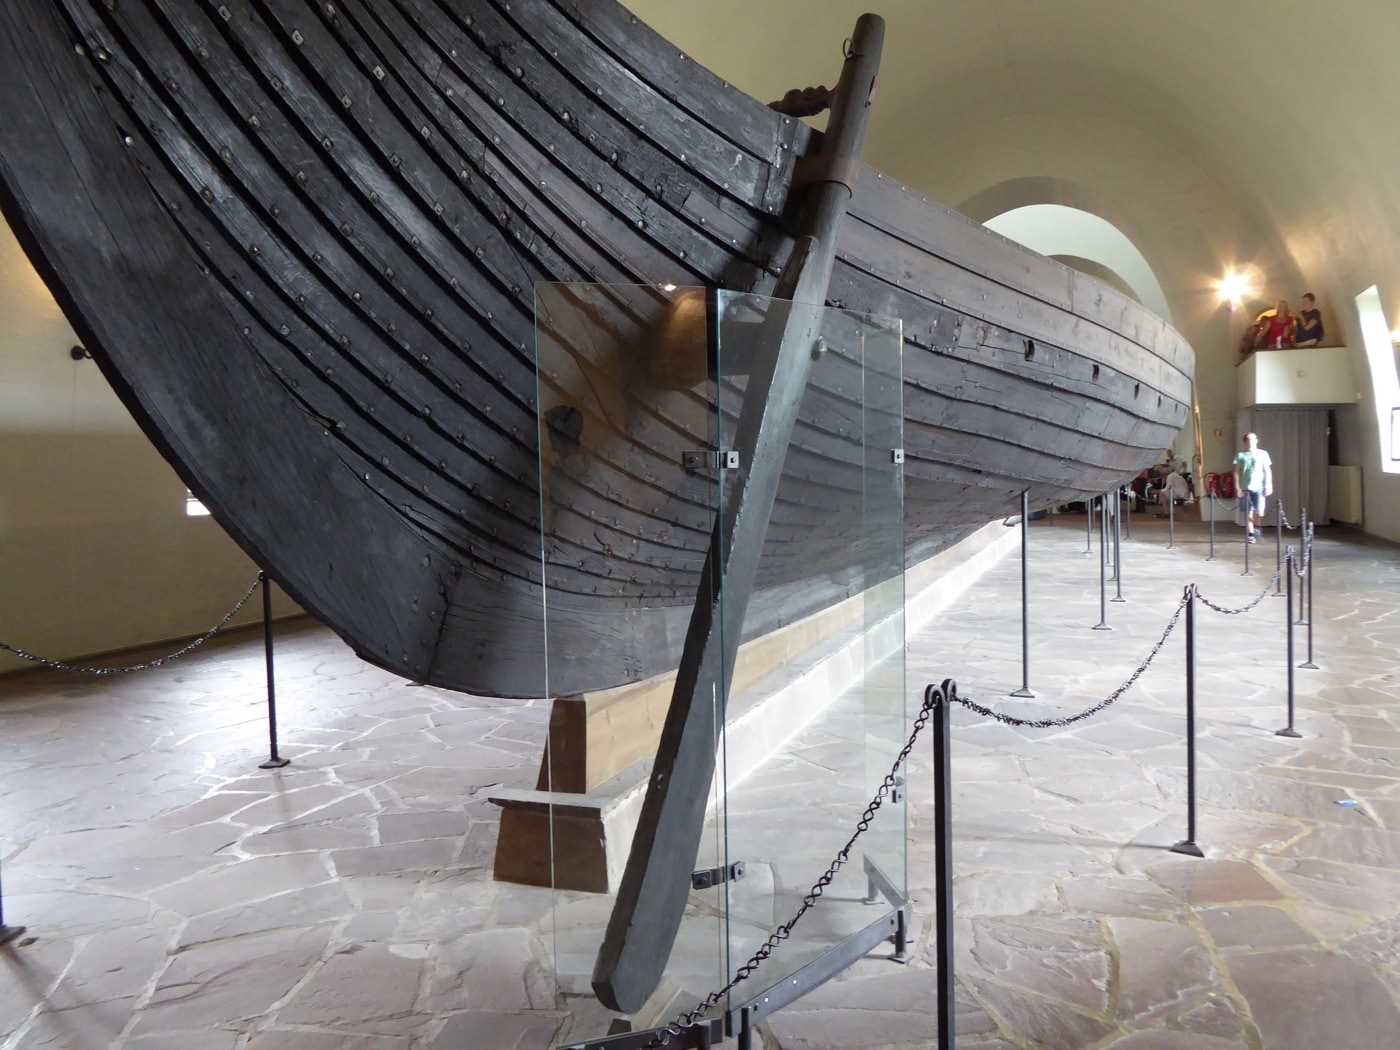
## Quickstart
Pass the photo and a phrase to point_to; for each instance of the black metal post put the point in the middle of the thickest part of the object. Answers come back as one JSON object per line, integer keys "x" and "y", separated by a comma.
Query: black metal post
{"x": 943, "y": 859}
{"x": 1171, "y": 517}
{"x": 1288, "y": 730}
{"x": 1110, "y": 515}
{"x": 1128, "y": 522}
{"x": 274, "y": 760}
{"x": 1211, "y": 555}
{"x": 1089, "y": 525}
{"x": 1305, "y": 546}
{"x": 1025, "y": 689}
{"x": 1278, "y": 547}
{"x": 1118, "y": 546}
{"x": 1102, "y": 625}
{"x": 1104, "y": 512}
{"x": 1246, "y": 549}
{"x": 7, "y": 933}
{"x": 1312, "y": 569}
{"x": 1188, "y": 844}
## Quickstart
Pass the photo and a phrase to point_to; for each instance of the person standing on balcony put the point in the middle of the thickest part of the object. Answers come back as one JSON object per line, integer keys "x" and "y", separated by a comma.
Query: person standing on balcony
{"x": 1254, "y": 481}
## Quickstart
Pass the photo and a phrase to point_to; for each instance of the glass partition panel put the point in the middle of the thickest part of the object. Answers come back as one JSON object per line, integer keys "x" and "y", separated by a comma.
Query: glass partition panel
{"x": 721, "y": 507}
{"x": 816, "y": 715}
{"x": 628, "y": 507}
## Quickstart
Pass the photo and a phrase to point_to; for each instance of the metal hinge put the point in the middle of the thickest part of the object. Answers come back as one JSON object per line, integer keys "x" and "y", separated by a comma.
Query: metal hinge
{"x": 896, "y": 455}
{"x": 703, "y": 880}
{"x": 699, "y": 459}
{"x": 897, "y": 791}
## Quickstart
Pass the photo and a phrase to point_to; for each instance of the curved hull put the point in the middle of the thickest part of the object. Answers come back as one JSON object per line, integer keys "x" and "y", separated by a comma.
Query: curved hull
{"x": 303, "y": 242}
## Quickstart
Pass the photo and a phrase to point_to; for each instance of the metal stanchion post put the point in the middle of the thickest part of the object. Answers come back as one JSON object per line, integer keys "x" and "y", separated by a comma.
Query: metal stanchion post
{"x": 1171, "y": 518}
{"x": 1246, "y": 552}
{"x": 1288, "y": 730}
{"x": 1089, "y": 525}
{"x": 1111, "y": 512}
{"x": 1118, "y": 546}
{"x": 1128, "y": 521}
{"x": 7, "y": 933}
{"x": 274, "y": 760}
{"x": 1312, "y": 569}
{"x": 1188, "y": 844}
{"x": 1278, "y": 547}
{"x": 943, "y": 861}
{"x": 1104, "y": 512}
{"x": 1211, "y": 555}
{"x": 1305, "y": 546}
{"x": 1102, "y": 625}
{"x": 1025, "y": 689}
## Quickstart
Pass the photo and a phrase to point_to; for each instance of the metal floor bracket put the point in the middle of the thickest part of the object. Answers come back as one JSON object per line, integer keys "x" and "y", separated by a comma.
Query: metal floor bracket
{"x": 700, "y": 1036}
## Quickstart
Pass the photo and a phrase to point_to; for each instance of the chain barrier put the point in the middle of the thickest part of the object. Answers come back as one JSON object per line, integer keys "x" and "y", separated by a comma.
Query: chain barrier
{"x": 59, "y": 665}
{"x": 809, "y": 901}
{"x": 765, "y": 951}
{"x": 1273, "y": 580}
{"x": 1304, "y": 564}
{"x": 677, "y": 1027}
{"x": 1106, "y": 702}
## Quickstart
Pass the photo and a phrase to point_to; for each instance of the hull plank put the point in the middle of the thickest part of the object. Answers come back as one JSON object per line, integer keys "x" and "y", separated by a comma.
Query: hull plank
{"x": 303, "y": 241}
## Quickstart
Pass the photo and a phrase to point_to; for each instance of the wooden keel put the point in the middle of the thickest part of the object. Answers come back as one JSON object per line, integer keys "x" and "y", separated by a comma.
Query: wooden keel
{"x": 651, "y": 900}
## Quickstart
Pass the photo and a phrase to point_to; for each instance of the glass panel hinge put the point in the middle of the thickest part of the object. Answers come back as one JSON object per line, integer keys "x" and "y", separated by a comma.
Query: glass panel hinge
{"x": 700, "y": 459}
{"x": 703, "y": 880}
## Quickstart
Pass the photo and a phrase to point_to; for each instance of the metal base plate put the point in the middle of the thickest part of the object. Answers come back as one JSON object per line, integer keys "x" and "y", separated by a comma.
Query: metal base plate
{"x": 1118, "y": 599}
{"x": 275, "y": 763}
{"x": 1310, "y": 666}
{"x": 1023, "y": 693}
{"x": 9, "y": 933}
{"x": 1289, "y": 733}
{"x": 1102, "y": 627}
{"x": 1188, "y": 848}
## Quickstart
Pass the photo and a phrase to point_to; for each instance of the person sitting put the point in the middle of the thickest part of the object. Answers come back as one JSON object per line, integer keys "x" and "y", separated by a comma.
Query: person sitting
{"x": 1178, "y": 488}
{"x": 1309, "y": 331}
{"x": 1276, "y": 331}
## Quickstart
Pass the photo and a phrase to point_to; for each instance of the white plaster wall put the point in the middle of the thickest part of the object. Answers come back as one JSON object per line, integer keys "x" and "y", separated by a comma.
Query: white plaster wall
{"x": 96, "y": 551}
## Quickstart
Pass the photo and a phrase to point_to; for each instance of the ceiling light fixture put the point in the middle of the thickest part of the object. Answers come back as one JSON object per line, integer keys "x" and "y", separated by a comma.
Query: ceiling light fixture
{"x": 1234, "y": 287}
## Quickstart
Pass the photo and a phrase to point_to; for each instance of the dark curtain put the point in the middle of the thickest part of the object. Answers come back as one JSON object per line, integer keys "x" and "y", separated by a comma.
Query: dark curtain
{"x": 1296, "y": 440}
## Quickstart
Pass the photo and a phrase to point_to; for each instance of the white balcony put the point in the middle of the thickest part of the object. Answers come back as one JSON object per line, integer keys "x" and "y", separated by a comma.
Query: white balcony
{"x": 1315, "y": 376}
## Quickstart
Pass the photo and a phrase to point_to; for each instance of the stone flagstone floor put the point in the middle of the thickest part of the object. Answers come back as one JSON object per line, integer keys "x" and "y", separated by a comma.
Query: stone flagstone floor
{"x": 178, "y": 897}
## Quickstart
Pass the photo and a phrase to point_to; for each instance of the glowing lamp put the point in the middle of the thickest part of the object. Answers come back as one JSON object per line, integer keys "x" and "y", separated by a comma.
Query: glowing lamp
{"x": 1233, "y": 287}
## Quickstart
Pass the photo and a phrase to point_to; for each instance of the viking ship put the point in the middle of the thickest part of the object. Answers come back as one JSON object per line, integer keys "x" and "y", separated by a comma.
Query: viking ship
{"x": 304, "y": 241}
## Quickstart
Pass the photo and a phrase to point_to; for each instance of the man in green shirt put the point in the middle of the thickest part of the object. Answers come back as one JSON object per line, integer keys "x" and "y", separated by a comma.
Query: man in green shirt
{"x": 1254, "y": 481}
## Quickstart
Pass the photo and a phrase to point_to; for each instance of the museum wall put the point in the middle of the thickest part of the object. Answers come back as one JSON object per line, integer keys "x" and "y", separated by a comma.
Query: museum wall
{"x": 96, "y": 550}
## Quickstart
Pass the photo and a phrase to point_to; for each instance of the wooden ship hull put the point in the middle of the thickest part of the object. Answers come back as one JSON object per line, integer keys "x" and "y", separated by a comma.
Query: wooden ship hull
{"x": 302, "y": 240}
